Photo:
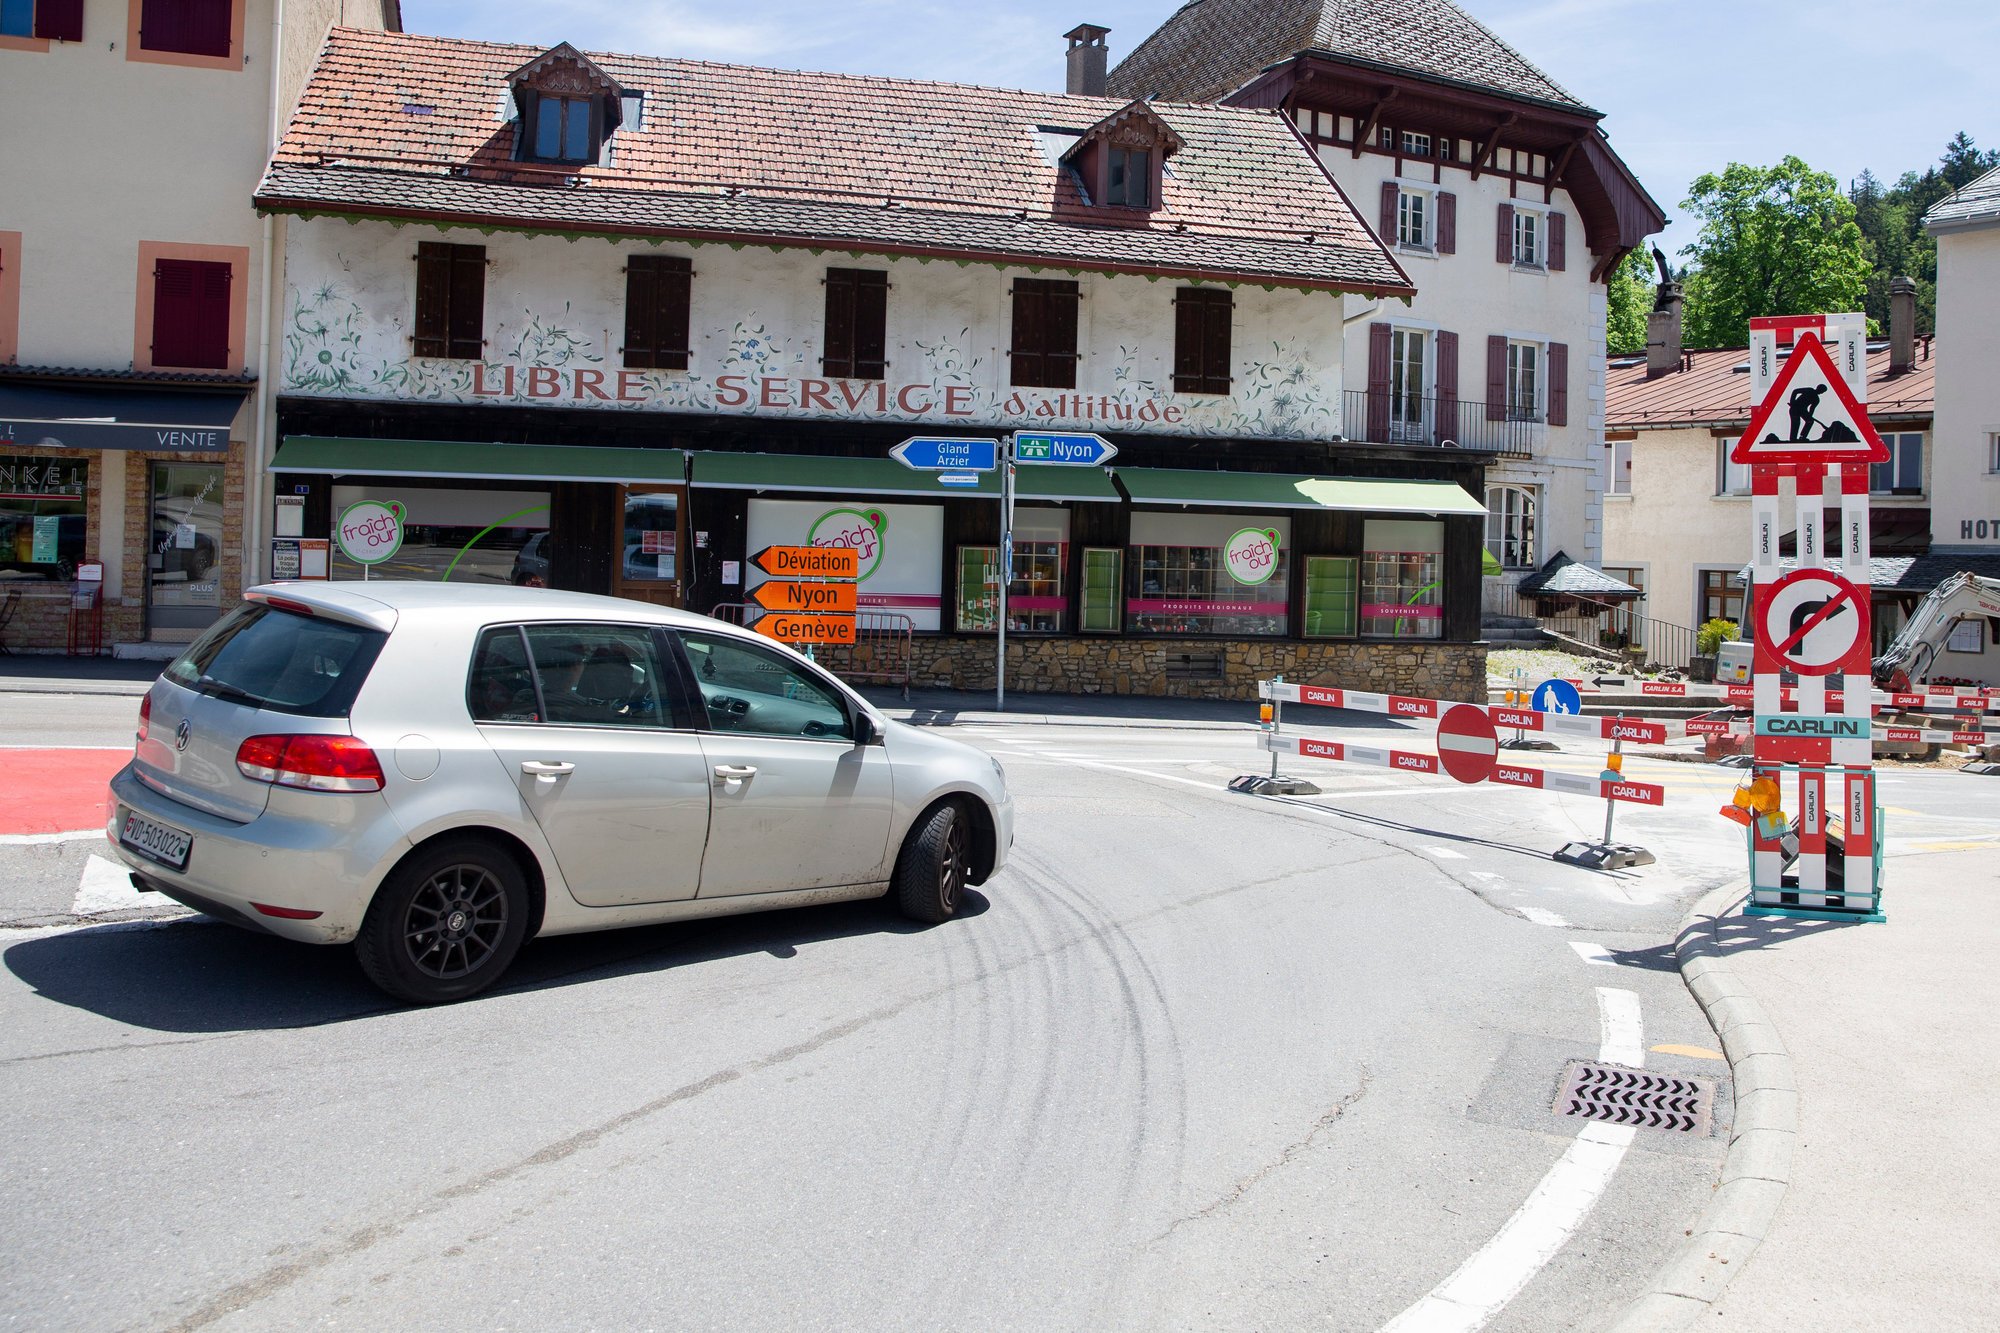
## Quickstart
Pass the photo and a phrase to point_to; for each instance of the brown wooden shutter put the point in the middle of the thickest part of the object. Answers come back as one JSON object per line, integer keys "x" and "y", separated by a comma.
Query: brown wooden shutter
{"x": 672, "y": 329}
{"x": 1447, "y": 386}
{"x": 1187, "y": 341}
{"x": 191, "y": 314}
{"x": 1447, "y": 209}
{"x": 1218, "y": 324}
{"x": 1558, "y": 384}
{"x": 1390, "y": 195}
{"x": 1027, "y": 361}
{"x": 189, "y": 27}
{"x": 837, "y": 359}
{"x": 871, "y": 325}
{"x": 1503, "y": 242}
{"x": 433, "y": 298}
{"x": 641, "y": 312}
{"x": 59, "y": 20}
{"x": 1558, "y": 242}
{"x": 1496, "y": 376}
{"x": 1378, "y": 383}
{"x": 657, "y": 288}
{"x": 1059, "y": 333}
{"x": 465, "y": 328}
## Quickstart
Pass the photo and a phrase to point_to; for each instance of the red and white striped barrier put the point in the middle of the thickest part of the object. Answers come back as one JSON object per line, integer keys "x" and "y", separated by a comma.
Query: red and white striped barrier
{"x": 1701, "y": 726}
{"x": 1520, "y": 719}
{"x": 1940, "y": 700}
{"x": 1512, "y": 775}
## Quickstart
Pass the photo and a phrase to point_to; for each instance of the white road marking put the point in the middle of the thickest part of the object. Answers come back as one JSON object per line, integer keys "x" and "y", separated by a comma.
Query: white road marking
{"x": 1446, "y": 854}
{"x": 1484, "y": 874}
{"x": 1593, "y": 953}
{"x": 29, "y": 839}
{"x": 1483, "y": 1285}
{"x": 107, "y": 887}
{"x": 1542, "y": 916}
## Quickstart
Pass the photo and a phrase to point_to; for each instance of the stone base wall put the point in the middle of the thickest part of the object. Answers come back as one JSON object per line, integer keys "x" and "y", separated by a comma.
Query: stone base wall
{"x": 1178, "y": 668}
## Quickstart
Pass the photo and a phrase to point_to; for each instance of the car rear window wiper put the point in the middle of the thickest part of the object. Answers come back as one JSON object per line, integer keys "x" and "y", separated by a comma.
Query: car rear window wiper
{"x": 222, "y": 689}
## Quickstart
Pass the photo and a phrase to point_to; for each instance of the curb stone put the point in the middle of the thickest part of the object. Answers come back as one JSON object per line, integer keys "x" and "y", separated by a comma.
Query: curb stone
{"x": 1758, "y": 1167}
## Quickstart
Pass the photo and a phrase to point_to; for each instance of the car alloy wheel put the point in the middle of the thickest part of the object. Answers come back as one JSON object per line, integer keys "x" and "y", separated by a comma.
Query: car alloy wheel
{"x": 455, "y": 922}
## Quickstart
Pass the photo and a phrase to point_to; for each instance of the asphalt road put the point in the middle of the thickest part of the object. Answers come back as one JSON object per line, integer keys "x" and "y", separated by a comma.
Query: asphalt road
{"x": 1194, "y": 1060}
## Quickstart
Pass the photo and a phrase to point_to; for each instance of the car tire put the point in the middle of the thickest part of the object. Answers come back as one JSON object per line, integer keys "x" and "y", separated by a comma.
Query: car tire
{"x": 930, "y": 873}
{"x": 446, "y": 924}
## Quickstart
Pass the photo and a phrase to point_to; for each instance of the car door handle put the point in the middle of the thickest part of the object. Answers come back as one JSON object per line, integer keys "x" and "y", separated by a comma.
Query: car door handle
{"x": 547, "y": 769}
{"x": 727, "y": 773}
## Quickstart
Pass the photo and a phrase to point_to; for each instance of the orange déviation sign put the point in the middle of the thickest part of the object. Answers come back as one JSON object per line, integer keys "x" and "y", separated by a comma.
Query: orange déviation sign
{"x": 812, "y": 562}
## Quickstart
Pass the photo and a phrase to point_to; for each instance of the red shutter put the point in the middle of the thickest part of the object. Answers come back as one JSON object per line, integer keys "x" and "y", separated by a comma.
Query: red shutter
{"x": 1447, "y": 386}
{"x": 1503, "y": 241}
{"x": 1558, "y": 384}
{"x": 1059, "y": 333}
{"x": 1378, "y": 383}
{"x": 188, "y": 27}
{"x": 1558, "y": 242}
{"x": 59, "y": 20}
{"x": 465, "y": 329}
{"x": 1447, "y": 223}
{"x": 641, "y": 312}
{"x": 1027, "y": 363}
{"x": 1496, "y": 376}
{"x": 1390, "y": 195}
{"x": 433, "y": 298}
{"x": 837, "y": 360}
{"x": 871, "y": 325}
{"x": 1187, "y": 341}
{"x": 191, "y": 314}
{"x": 1216, "y": 329}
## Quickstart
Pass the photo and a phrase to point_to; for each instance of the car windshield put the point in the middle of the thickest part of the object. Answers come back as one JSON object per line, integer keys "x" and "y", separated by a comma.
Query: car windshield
{"x": 279, "y": 660}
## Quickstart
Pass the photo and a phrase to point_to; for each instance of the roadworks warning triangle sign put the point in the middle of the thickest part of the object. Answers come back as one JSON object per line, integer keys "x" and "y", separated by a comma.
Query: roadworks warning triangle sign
{"x": 1810, "y": 416}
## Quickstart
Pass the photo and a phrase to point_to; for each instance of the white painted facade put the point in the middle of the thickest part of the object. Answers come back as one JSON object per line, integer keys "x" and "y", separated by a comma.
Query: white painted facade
{"x": 1470, "y": 293}
{"x": 555, "y": 317}
{"x": 1965, "y": 517}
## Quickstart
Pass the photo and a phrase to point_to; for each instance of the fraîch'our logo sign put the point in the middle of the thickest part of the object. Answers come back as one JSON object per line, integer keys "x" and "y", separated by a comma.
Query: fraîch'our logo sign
{"x": 862, "y": 530}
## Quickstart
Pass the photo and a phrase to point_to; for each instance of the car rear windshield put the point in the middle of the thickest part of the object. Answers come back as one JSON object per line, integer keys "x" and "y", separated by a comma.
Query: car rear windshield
{"x": 279, "y": 660}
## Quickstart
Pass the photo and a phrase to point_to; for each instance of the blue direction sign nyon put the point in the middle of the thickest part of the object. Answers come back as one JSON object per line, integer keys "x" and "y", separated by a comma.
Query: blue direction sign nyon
{"x": 1558, "y": 696}
{"x": 1063, "y": 450}
{"x": 931, "y": 453}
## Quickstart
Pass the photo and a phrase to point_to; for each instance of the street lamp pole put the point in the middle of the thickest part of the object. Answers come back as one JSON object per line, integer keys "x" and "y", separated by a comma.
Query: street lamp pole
{"x": 1006, "y": 566}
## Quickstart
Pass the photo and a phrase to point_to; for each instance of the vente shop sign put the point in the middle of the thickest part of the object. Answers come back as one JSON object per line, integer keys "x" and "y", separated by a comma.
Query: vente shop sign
{"x": 781, "y": 393}
{"x": 38, "y": 477}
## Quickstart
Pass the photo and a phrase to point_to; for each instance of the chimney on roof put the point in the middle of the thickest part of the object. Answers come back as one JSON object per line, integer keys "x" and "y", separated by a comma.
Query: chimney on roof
{"x": 1663, "y": 331}
{"x": 1089, "y": 59}
{"x": 1902, "y": 324}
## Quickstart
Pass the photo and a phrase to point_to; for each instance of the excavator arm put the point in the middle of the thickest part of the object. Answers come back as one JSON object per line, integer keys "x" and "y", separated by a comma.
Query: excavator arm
{"x": 1908, "y": 659}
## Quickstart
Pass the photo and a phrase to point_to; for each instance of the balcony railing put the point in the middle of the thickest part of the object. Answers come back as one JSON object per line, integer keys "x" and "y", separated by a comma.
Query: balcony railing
{"x": 1397, "y": 418}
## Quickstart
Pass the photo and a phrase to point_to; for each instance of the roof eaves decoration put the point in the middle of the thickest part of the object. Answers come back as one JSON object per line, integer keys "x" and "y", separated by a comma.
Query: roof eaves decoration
{"x": 1135, "y": 121}
{"x": 552, "y": 62}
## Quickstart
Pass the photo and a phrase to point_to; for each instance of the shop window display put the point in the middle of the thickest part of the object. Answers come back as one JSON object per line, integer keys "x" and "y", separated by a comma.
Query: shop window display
{"x": 43, "y": 528}
{"x": 457, "y": 535}
{"x": 1035, "y": 601}
{"x": 1402, "y": 580}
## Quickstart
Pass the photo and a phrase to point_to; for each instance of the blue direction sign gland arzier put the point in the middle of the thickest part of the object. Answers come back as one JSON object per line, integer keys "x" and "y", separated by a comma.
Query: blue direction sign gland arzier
{"x": 931, "y": 453}
{"x": 1063, "y": 450}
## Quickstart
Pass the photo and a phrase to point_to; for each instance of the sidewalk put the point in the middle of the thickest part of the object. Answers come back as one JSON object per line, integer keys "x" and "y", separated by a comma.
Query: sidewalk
{"x": 43, "y": 673}
{"x": 1887, "y": 1221}
{"x": 945, "y": 708}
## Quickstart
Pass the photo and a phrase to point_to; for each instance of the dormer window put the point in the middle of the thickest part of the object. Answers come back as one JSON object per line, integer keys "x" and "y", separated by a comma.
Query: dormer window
{"x": 1129, "y": 178}
{"x": 567, "y": 107}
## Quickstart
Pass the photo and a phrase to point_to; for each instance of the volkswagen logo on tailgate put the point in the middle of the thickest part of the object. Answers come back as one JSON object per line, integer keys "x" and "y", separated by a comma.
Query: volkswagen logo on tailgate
{"x": 181, "y": 735}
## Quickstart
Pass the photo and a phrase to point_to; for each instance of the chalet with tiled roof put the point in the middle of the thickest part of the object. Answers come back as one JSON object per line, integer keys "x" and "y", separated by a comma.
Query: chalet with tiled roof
{"x": 615, "y": 323}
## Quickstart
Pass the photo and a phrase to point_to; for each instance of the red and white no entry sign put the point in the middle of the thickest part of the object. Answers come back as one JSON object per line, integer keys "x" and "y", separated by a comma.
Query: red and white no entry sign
{"x": 1814, "y": 622}
{"x": 1468, "y": 747}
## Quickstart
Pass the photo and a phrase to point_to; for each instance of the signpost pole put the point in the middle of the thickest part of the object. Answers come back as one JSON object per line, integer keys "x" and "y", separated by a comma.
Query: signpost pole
{"x": 1006, "y": 569}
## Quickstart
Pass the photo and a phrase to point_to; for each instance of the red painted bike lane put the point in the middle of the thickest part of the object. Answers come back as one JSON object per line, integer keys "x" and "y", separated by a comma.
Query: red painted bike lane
{"x": 58, "y": 791}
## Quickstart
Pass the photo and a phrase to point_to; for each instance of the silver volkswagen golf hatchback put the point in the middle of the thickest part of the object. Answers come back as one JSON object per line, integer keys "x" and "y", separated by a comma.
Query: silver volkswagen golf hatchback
{"x": 435, "y": 773}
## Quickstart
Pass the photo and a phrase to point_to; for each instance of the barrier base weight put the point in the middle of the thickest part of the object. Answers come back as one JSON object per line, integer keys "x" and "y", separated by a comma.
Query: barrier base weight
{"x": 1813, "y": 913}
{"x": 1603, "y": 855}
{"x": 1528, "y": 743}
{"x": 1260, "y": 784}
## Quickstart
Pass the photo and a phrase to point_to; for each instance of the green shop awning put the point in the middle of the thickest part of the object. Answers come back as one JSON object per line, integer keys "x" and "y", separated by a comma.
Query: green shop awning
{"x": 491, "y": 462}
{"x": 1267, "y": 490}
{"x": 885, "y": 476}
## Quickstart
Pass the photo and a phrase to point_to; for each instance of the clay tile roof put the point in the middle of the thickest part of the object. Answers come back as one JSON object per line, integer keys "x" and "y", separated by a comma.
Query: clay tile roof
{"x": 397, "y": 125}
{"x": 1977, "y": 203}
{"x": 1210, "y": 48}
{"x": 1712, "y": 392}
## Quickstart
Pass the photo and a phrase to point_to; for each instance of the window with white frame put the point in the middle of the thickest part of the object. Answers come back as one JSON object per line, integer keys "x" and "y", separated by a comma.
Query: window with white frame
{"x": 1406, "y": 385}
{"x": 1730, "y": 478}
{"x": 1527, "y": 237}
{"x": 1903, "y": 474}
{"x": 1618, "y": 466}
{"x": 1388, "y": 140}
{"x": 1524, "y": 381}
{"x": 1416, "y": 145}
{"x": 1510, "y": 525}
{"x": 1413, "y": 218}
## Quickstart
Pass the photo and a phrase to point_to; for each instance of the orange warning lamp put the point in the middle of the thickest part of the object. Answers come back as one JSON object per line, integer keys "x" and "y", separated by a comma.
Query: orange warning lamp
{"x": 1754, "y": 800}
{"x": 1264, "y": 714}
{"x": 1615, "y": 762}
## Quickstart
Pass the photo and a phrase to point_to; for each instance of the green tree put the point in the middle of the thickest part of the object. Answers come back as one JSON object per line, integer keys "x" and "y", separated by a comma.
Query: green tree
{"x": 1630, "y": 294}
{"x": 1891, "y": 219}
{"x": 1776, "y": 240}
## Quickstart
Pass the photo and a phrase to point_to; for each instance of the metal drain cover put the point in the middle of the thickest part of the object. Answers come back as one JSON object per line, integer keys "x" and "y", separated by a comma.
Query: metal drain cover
{"x": 1622, "y": 1096}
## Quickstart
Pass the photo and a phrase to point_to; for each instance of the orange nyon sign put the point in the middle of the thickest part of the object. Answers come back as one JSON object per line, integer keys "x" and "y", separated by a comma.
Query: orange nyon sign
{"x": 809, "y": 562}
{"x": 806, "y": 629}
{"x": 776, "y": 596}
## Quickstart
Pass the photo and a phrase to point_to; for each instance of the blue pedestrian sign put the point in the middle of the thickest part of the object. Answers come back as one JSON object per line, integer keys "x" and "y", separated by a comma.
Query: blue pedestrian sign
{"x": 1063, "y": 450}
{"x": 929, "y": 453}
{"x": 1557, "y": 696}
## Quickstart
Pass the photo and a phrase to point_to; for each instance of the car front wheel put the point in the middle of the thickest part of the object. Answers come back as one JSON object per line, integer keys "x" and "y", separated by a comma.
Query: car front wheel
{"x": 930, "y": 873}
{"x": 446, "y": 923}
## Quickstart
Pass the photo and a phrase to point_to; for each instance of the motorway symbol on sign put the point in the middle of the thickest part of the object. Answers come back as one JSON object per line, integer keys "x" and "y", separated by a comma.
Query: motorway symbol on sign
{"x": 934, "y": 453}
{"x": 1822, "y": 421}
{"x": 809, "y": 562}
{"x": 1557, "y": 696}
{"x": 1468, "y": 747}
{"x": 806, "y": 629}
{"x": 776, "y": 596}
{"x": 1814, "y": 622}
{"x": 1064, "y": 450}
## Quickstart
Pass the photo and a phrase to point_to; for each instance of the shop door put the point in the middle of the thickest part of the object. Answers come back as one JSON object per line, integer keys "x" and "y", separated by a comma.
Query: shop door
{"x": 651, "y": 549}
{"x": 184, "y": 553}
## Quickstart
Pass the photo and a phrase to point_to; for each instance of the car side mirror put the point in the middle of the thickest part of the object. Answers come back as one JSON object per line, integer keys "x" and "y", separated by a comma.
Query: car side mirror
{"x": 864, "y": 728}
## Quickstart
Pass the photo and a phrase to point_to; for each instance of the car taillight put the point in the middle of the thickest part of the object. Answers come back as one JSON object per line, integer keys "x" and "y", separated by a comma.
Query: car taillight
{"x": 313, "y": 763}
{"x": 145, "y": 719}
